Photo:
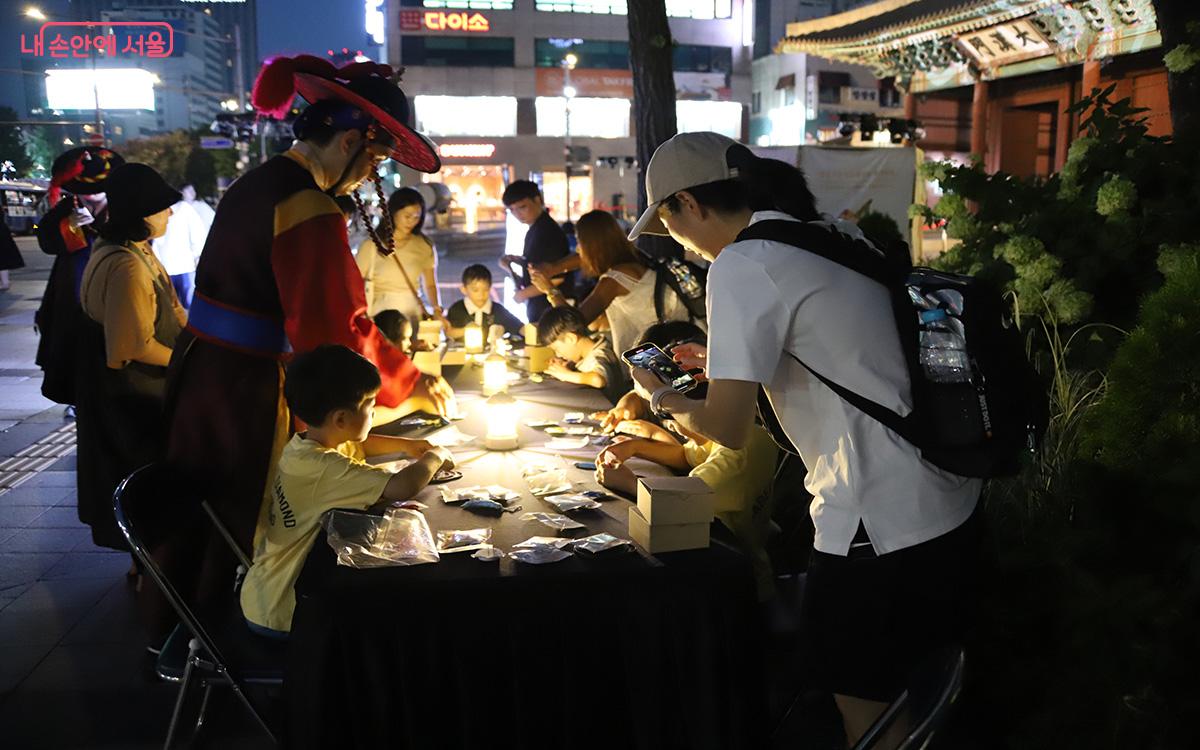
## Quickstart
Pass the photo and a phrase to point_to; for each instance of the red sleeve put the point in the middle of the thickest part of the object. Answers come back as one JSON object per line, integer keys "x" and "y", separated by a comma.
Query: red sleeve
{"x": 322, "y": 292}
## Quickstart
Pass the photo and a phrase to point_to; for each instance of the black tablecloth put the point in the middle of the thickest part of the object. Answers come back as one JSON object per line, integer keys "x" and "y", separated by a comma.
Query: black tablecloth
{"x": 624, "y": 651}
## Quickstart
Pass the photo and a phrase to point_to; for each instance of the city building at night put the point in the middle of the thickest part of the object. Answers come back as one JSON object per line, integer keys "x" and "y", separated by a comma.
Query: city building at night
{"x": 506, "y": 86}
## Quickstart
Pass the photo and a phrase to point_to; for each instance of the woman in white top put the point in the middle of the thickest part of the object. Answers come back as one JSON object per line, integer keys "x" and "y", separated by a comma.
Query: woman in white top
{"x": 392, "y": 281}
{"x": 891, "y": 577}
{"x": 625, "y": 291}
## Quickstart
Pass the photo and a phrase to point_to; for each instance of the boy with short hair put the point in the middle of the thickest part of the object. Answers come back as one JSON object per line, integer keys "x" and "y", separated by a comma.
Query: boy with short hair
{"x": 581, "y": 357}
{"x": 477, "y": 299}
{"x": 333, "y": 390}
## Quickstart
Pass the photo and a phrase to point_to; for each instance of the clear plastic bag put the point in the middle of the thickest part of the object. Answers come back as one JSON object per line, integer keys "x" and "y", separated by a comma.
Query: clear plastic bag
{"x": 571, "y": 502}
{"x": 597, "y": 543}
{"x": 539, "y": 555}
{"x": 494, "y": 492}
{"x": 362, "y": 540}
{"x": 556, "y": 521}
{"x": 463, "y": 540}
{"x": 546, "y": 479}
{"x": 487, "y": 553}
{"x": 543, "y": 541}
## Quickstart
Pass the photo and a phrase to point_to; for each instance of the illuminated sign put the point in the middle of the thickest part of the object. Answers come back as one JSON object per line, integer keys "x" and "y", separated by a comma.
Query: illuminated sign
{"x": 115, "y": 88}
{"x": 440, "y": 20}
{"x": 466, "y": 150}
{"x": 375, "y": 21}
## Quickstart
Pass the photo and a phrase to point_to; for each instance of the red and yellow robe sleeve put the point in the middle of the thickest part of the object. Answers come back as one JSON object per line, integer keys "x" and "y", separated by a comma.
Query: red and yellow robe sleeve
{"x": 322, "y": 291}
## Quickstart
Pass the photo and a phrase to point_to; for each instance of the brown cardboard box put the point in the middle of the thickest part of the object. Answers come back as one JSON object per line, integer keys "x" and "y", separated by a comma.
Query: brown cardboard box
{"x": 674, "y": 500}
{"x": 454, "y": 357}
{"x": 429, "y": 363}
{"x": 659, "y": 538}
{"x": 539, "y": 357}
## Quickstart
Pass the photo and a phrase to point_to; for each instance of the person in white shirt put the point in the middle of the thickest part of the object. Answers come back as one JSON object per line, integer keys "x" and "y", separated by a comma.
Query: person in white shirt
{"x": 180, "y": 247}
{"x": 202, "y": 209}
{"x": 896, "y": 538}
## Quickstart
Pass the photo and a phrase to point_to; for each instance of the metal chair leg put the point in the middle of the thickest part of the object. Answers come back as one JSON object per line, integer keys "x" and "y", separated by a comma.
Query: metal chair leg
{"x": 208, "y": 686}
{"x": 193, "y": 647}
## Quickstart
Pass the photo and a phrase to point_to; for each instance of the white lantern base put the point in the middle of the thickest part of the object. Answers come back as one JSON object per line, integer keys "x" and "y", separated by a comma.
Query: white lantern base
{"x": 501, "y": 442}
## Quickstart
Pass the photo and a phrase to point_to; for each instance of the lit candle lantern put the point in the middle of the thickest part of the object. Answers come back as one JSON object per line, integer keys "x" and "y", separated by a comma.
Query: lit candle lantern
{"x": 430, "y": 331}
{"x": 501, "y": 423}
{"x": 495, "y": 374}
{"x": 530, "y": 331}
{"x": 473, "y": 338}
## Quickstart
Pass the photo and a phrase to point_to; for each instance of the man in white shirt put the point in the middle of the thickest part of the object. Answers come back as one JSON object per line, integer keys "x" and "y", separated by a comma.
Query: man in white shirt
{"x": 180, "y": 247}
{"x": 893, "y": 546}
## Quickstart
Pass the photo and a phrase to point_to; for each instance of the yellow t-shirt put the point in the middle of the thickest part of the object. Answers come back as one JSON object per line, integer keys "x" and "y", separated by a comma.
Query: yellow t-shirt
{"x": 311, "y": 479}
{"x": 738, "y": 479}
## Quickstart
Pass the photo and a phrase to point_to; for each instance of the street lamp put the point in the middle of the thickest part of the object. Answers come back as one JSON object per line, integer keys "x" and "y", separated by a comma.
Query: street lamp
{"x": 35, "y": 13}
{"x": 569, "y": 62}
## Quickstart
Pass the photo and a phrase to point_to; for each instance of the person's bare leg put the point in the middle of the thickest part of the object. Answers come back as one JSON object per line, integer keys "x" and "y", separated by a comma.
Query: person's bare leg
{"x": 858, "y": 715}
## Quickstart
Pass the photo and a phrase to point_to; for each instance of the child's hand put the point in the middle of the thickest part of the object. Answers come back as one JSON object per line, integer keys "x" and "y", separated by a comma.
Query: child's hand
{"x": 692, "y": 357}
{"x": 617, "y": 477}
{"x": 630, "y": 406}
{"x": 621, "y": 450}
{"x": 636, "y": 427}
{"x": 558, "y": 368}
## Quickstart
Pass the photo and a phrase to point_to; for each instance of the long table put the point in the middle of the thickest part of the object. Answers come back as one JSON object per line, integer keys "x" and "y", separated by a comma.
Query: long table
{"x": 623, "y": 651}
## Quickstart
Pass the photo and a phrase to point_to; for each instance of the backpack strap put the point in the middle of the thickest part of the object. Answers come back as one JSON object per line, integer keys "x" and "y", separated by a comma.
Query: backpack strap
{"x": 861, "y": 257}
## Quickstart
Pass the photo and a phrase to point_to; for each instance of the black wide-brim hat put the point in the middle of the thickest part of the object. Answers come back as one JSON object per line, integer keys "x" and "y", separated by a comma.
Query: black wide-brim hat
{"x": 136, "y": 191}
{"x": 365, "y": 85}
{"x": 83, "y": 170}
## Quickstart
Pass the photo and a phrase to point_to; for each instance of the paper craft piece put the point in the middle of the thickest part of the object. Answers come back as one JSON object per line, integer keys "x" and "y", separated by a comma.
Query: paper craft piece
{"x": 450, "y": 437}
{"x": 567, "y": 444}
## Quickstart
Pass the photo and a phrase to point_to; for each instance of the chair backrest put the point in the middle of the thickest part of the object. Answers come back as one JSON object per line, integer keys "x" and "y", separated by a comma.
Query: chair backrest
{"x": 931, "y": 693}
{"x": 152, "y": 511}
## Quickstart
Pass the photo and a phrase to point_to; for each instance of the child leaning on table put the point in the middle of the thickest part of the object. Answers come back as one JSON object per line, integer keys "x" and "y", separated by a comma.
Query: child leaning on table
{"x": 333, "y": 390}
{"x": 580, "y": 356}
{"x": 740, "y": 479}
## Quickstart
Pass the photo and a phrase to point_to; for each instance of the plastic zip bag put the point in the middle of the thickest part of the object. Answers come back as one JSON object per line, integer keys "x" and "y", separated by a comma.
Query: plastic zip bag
{"x": 487, "y": 553}
{"x": 363, "y": 540}
{"x": 543, "y": 541}
{"x": 571, "y": 502}
{"x": 556, "y": 521}
{"x": 494, "y": 492}
{"x": 463, "y": 540}
{"x": 546, "y": 479}
{"x": 597, "y": 543}
{"x": 539, "y": 555}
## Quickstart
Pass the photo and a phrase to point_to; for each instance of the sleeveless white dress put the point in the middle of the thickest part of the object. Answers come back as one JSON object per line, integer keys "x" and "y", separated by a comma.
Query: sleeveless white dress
{"x": 632, "y": 313}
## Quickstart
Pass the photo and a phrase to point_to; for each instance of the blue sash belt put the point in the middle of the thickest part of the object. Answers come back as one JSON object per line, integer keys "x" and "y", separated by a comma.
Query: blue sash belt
{"x": 239, "y": 329}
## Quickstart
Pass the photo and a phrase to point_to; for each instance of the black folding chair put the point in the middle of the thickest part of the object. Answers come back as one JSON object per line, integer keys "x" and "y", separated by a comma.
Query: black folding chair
{"x": 222, "y": 650}
{"x": 932, "y": 691}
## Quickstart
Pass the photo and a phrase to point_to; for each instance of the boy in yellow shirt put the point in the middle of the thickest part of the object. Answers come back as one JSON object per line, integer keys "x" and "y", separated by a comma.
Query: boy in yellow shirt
{"x": 333, "y": 390}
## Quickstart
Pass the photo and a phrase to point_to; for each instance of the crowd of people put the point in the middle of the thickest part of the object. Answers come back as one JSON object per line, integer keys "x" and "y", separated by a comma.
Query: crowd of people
{"x": 262, "y": 388}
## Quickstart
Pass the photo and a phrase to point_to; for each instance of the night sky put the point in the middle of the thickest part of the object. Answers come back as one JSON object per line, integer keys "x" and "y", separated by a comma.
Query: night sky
{"x": 291, "y": 26}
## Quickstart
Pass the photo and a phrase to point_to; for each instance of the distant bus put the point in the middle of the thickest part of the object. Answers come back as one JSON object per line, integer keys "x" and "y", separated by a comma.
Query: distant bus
{"x": 22, "y": 203}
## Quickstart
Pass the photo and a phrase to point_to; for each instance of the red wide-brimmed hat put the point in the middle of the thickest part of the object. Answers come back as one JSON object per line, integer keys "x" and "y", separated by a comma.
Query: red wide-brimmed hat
{"x": 368, "y": 86}
{"x": 82, "y": 171}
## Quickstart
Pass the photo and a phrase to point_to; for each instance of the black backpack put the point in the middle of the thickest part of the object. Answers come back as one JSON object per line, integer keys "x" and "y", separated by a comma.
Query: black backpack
{"x": 687, "y": 280}
{"x": 978, "y": 407}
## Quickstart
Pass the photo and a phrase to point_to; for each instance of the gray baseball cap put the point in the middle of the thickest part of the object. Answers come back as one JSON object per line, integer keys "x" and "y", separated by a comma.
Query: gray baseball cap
{"x": 683, "y": 161}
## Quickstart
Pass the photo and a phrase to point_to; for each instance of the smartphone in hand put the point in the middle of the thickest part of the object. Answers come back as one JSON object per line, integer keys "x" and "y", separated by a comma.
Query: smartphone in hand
{"x": 650, "y": 357}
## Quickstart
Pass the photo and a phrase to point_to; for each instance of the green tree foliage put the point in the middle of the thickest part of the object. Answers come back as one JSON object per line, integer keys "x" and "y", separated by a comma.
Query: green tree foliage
{"x": 1081, "y": 244}
{"x": 200, "y": 171}
{"x": 167, "y": 153}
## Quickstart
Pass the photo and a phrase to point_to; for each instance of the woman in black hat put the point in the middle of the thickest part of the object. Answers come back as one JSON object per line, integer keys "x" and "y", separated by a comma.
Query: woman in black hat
{"x": 133, "y": 319}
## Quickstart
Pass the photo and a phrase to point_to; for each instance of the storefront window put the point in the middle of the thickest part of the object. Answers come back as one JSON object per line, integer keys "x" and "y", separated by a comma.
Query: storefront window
{"x": 596, "y": 54}
{"x": 590, "y": 117}
{"x": 464, "y": 51}
{"x": 475, "y": 191}
{"x": 481, "y": 116}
